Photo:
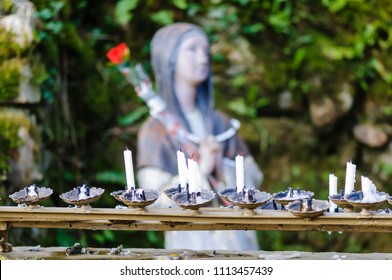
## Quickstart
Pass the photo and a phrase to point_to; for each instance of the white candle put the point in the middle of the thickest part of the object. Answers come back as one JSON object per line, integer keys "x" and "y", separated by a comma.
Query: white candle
{"x": 350, "y": 178}
{"x": 194, "y": 176}
{"x": 369, "y": 190}
{"x": 129, "y": 169}
{"x": 333, "y": 189}
{"x": 239, "y": 169}
{"x": 365, "y": 184}
{"x": 182, "y": 169}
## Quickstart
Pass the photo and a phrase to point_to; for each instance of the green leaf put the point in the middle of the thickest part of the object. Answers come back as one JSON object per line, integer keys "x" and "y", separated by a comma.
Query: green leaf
{"x": 262, "y": 102}
{"x": 335, "y": 5}
{"x": 133, "y": 116}
{"x": 181, "y": 4}
{"x": 163, "y": 17}
{"x": 239, "y": 107}
{"x": 253, "y": 28}
{"x": 45, "y": 14}
{"x": 123, "y": 11}
{"x": 57, "y": 6}
{"x": 55, "y": 26}
{"x": 153, "y": 237}
{"x": 239, "y": 80}
{"x": 299, "y": 57}
{"x": 109, "y": 235}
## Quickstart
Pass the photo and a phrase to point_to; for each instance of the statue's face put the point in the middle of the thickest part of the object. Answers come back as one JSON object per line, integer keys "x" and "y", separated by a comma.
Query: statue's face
{"x": 192, "y": 64}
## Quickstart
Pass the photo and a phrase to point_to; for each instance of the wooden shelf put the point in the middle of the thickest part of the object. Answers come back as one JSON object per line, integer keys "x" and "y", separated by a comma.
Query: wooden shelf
{"x": 170, "y": 219}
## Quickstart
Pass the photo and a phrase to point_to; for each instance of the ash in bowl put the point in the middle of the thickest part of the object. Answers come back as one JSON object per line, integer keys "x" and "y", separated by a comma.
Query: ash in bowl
{"x": 136, "y": 197}
{"x": 175, "y": 190}
{"x": 194, "y": 200}
{"x": 82, "y": 196}
{"x": 291, "y": 195}
{"x": 225, "y": 193}
{"x": 249, "y": 198}
{"x": 31, "y": 195}
{"x": 308, "y": 208}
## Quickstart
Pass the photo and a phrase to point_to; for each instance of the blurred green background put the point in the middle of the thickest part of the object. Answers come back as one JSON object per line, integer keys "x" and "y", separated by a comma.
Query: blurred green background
{"x": 309, "y": 80}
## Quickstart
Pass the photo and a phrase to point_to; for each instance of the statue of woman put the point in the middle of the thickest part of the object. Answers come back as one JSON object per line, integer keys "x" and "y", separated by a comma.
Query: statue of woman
{"x": 181, "y": 62}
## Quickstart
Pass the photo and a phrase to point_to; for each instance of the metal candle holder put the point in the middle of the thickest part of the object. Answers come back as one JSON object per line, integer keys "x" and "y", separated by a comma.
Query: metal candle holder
{"x": 72, "y": 197}
{"x": 136, "y": 199}
{"x": 270, "y": 205}
{"x": 174, "y": 190}
{"x": 23, "y": 197}
{"x": 341, "y": 201}
{"x": 356, "y": 200}
{"x": 291, "y": 195}
{"x": 193, "y": 201}
{"x": 249, "y": 199}
{"x": 308, "y": 208}
{"x": 225, "y": 193}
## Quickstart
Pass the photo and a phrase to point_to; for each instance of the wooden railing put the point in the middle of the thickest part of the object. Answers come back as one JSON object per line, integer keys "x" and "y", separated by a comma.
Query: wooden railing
{"x": 170, "y": 219}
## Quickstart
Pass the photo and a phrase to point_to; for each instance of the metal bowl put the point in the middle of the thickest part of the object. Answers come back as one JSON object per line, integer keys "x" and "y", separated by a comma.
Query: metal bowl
{"x": 21, "y": 197}
{"x": 205, "y": 199}
{"x": 172, "y": 191}
{"x": 271, "y": 205}
{"x": 260, "y": 199}
{"x": 225, "y": 193}
{"x": 318, "y": 208}
{"x": 72, "y": 197}
{"x": 341, "y": 201}
{"x": 151, "y": 197}
{"x": 284, "y": 197}
{"x": 356, "y": 200}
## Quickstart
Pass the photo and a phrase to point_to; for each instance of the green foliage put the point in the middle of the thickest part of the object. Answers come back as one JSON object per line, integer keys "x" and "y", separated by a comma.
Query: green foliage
{"x": 123, "y": 11}
{"x": 10, "y": 123}
{"x": 10, "y": 75}
{"x": 163, "y": 17}
{"x": 110, "y": 176}
{"x": 134, "y": 116}
{"x": 6, "y": 5}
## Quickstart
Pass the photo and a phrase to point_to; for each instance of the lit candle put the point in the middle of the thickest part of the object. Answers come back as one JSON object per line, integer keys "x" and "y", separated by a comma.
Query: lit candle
{"x": 239, "y": 169}
{"x": 350, "y": 178}
{"x": 182, "y": 169}
{"x": 129, "y": 169}
{"x": 333, "y": 189}
{"x": 194, "y": 176}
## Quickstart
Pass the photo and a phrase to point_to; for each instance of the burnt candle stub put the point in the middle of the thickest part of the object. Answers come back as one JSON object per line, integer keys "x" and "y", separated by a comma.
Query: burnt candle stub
{"x": 136, "y": 197}
{"x": 308, "y": 208}
{"x": 31, "y": 195}
{"x": 82, "y": 195}
{"x": 290, "y": 195}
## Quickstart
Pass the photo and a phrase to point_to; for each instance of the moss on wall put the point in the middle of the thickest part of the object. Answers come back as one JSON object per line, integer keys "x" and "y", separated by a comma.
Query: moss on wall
{"x": 10, "y": 123}
{"x": 10, "y": 74}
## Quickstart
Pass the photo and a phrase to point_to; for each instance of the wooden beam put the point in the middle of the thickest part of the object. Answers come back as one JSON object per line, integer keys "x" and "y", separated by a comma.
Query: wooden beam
{"x": 157, "y": 226}
{"x": 179, "y": 219}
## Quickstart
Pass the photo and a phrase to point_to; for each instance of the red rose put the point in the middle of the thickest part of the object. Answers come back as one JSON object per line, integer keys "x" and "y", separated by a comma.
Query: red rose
{"x": 117, "y": 54}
